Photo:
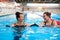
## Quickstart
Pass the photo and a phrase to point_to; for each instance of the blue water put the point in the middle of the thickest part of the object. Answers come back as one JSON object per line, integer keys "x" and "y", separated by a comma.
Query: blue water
{"x": 29, "y": 33}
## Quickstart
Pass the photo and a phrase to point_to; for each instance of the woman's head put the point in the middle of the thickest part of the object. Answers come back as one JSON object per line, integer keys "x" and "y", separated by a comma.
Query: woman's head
{"x": 46, "y": 15}
{"x": 19, "y": 16}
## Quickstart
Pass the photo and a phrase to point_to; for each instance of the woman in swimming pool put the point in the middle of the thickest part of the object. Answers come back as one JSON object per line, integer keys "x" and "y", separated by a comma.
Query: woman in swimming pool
{"x": 19, "y": 25}
{"x": 48, "y": 21}
{"x": 20, "y": 18}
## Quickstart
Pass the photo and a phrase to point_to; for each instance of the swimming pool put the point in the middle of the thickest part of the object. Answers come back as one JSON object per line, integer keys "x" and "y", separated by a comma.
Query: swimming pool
{"x": 29, "y": 33}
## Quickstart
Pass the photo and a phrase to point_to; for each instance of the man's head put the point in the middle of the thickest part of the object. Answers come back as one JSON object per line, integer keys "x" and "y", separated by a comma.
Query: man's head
{"x": 19, "y": 16}
{"x": 46, "y": 15}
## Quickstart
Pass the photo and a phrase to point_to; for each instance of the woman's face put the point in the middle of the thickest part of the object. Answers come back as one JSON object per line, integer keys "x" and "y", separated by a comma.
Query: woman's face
{"x": 21, "y": 17}
{"x": 45, "y": 17}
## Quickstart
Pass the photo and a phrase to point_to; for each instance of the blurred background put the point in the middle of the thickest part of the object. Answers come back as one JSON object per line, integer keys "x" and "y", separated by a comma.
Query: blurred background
{"x": 11, "y": 6}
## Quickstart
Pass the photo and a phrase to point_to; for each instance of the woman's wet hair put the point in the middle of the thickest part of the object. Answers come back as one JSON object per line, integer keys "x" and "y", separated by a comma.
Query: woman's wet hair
{"x": 48, "y": 14}
{"x": 17, "y": 15}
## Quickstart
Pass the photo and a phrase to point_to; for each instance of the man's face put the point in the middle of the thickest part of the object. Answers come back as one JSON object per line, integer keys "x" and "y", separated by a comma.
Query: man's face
{"x": 45, "y": 17}
{"x": 21, "y": 17}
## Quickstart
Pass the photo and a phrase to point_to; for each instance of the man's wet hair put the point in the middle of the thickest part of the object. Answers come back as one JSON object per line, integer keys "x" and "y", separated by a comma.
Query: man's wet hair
{"x": 48, "y": 14}
{"x": 17, "y": 15}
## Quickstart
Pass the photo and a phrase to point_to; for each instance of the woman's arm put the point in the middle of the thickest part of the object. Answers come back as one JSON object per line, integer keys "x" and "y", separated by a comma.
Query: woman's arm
{"x": 13, "y": 25}
{"x": 55, "y": 23}
{"x": 41, "y": 24}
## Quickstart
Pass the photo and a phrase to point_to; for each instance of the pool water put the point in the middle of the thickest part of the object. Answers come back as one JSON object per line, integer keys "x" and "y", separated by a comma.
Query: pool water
{"x": 29, "y": 33}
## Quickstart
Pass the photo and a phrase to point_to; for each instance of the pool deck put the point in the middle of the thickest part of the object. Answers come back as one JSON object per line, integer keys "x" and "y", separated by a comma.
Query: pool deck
{"x": 3, "y": 14}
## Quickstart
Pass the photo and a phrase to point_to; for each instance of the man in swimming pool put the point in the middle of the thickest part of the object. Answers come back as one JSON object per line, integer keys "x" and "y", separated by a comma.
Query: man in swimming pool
{"x": 48, "y": 21}
{"x": 19, "y": 25}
